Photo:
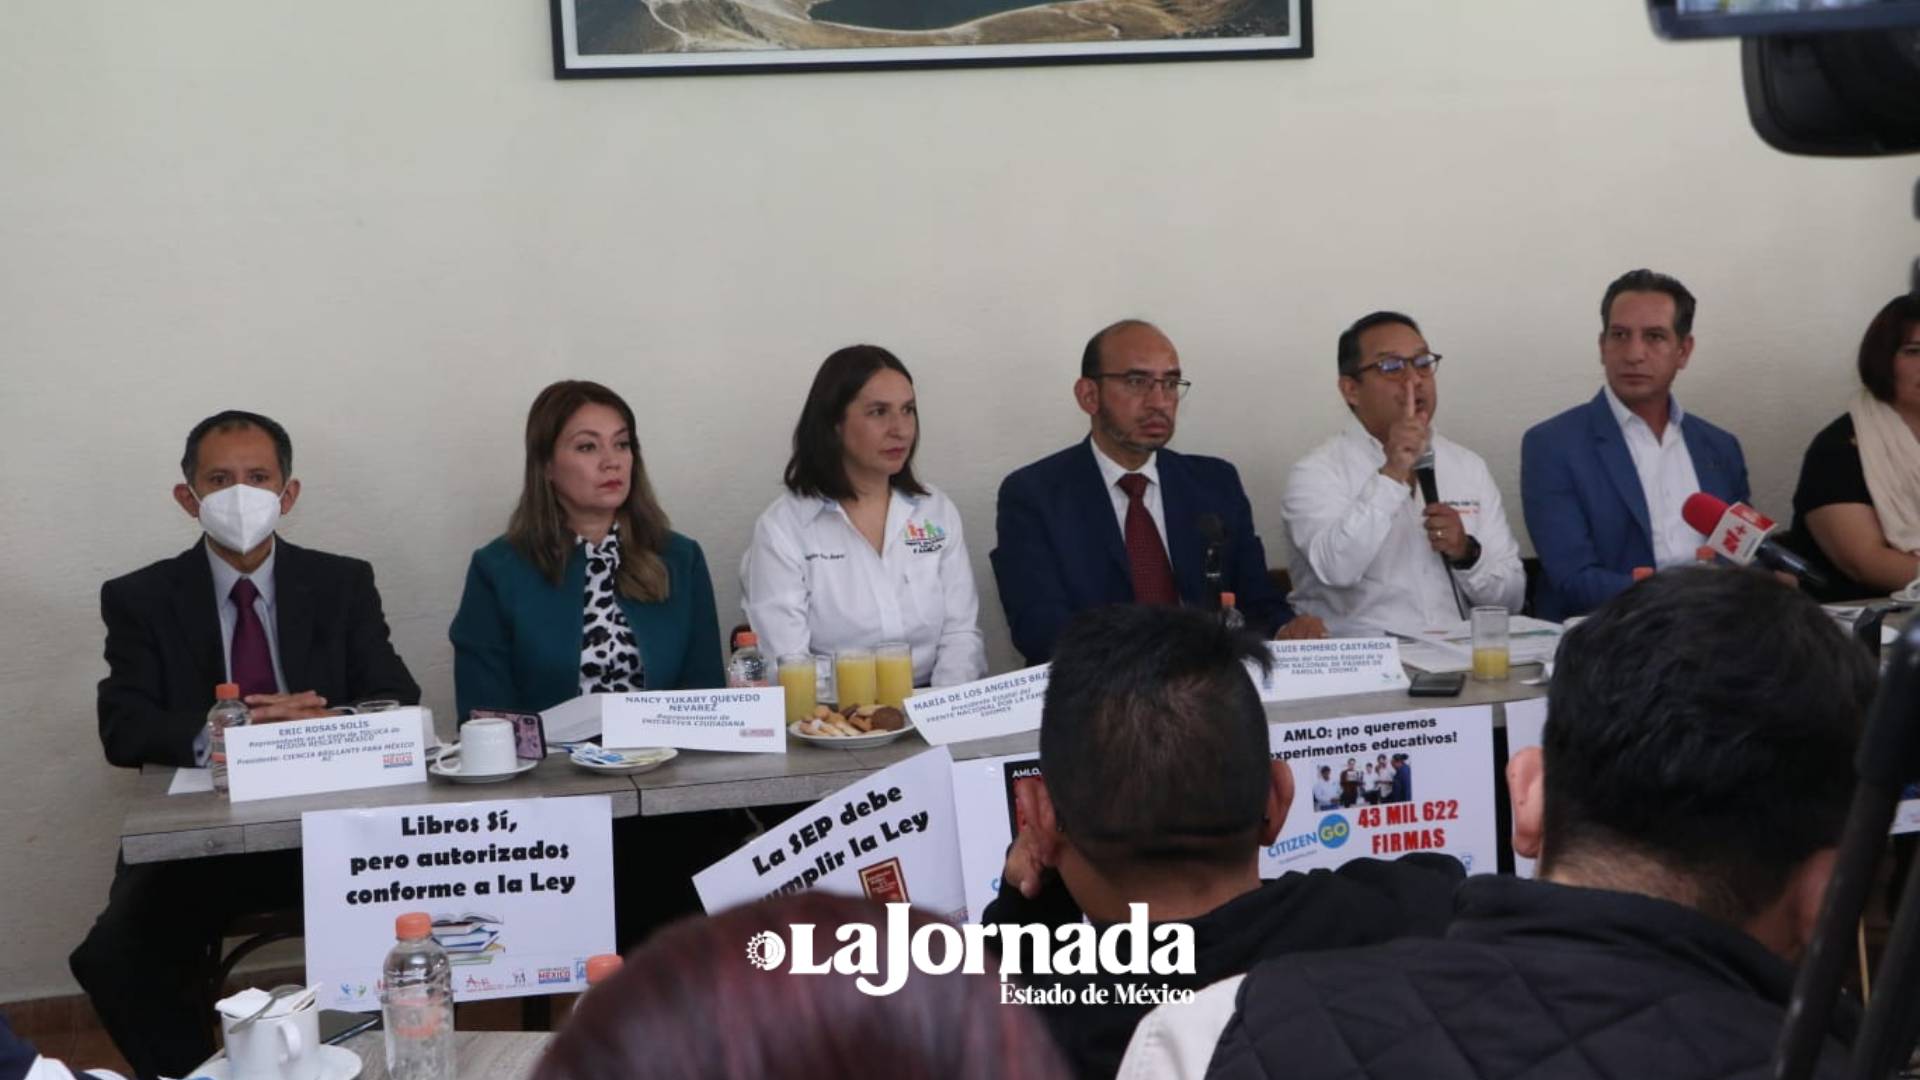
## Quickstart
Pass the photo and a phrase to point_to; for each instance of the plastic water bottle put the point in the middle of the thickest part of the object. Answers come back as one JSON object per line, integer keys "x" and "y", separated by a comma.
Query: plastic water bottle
{"x": 228, "y": 711}
{"x": 602, "y": 967}
{"x": 416, "y": 1002}
{"x": 748, "y": 665}
{"x": 1230, "y": 616}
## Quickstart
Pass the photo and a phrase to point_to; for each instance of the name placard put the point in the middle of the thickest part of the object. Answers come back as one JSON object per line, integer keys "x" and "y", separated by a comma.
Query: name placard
{"x": 328, "y": 753}
{"x": 1329, "y": 667}
{"x": 744, "y": 720}
{"x": 520, "y": 892}
{"x": 1002, "y": 705}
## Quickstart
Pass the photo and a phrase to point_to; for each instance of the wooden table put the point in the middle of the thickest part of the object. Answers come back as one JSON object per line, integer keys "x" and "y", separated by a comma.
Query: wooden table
{"x": 160, "y": 827}
{"x": 477, "y": 1055}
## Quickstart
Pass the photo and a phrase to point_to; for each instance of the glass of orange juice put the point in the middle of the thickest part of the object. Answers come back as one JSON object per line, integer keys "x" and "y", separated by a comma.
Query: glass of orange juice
{"x": 853, "y": 676}
{"x": 1491, "y": 656}
{"x": 797, "y": 679}
{"x": 893, "y": 670}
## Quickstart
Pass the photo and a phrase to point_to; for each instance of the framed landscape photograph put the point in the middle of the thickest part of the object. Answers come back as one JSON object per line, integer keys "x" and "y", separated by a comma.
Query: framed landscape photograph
{"x": 598, "y": 38}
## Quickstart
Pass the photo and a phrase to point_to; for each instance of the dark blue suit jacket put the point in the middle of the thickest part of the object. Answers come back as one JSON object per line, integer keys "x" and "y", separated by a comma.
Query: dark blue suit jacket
{"x": 1060, "y": 550}
{"x": 164, "y": 648}
{"x": 1584, "y": 506}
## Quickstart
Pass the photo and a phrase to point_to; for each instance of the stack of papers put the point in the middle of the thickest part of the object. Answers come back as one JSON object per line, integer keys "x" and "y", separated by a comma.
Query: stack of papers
{"x": 1449, "y": 647}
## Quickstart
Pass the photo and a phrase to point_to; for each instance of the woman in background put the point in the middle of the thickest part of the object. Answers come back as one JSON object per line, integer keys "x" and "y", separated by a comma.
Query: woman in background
{"x": 1857, "y": 507}
{"x": 858, "y": 551}
{"x": 588, "y": 592}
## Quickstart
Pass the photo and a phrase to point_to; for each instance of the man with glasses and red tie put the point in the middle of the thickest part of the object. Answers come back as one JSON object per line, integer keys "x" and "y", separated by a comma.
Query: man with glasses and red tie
{"x": 1119, "y": 519}
{"x": 299, "y": 631}
{"x": 1372, "y": 550}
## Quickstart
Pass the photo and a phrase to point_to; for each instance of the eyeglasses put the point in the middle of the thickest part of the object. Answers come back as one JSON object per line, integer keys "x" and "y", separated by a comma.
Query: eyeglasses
{"x": 1140, "y": 385}
{"x": 1395, "y": 367}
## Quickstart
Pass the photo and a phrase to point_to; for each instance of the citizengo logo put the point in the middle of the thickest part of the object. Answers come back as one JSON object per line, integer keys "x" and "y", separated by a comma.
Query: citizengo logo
{"x": 1334, "y": 830}
{"x": 938, "y": 948}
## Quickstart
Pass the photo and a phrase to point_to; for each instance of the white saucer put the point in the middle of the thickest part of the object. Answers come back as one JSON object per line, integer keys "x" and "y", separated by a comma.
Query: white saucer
{"x": 1907, "y": 595}
{"x": 849, "y": 742}
{"x": 336, "y": 1063}
{"x": 439, "y": 768}
{"x": 634, "y": 761}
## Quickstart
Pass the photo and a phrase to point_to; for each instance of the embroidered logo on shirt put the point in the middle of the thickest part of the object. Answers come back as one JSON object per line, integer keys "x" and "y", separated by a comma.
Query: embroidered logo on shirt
{"x": 925, "y": 538}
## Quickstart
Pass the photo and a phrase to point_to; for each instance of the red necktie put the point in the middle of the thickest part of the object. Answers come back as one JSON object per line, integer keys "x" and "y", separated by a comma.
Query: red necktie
{"x": 252, "y": 661}
{"x": 1146, "y": 554}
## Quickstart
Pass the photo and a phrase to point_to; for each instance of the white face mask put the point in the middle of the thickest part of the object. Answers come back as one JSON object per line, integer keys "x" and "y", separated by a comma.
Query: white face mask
{"x": 240, "y": 517}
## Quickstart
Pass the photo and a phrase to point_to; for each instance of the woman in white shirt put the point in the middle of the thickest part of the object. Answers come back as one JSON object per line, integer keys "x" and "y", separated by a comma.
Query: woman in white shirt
{"x": 858, "y": 552}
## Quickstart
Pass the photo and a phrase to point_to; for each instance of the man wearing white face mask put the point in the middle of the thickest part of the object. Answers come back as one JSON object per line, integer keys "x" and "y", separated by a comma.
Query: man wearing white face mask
{"x": 299, "y": 631}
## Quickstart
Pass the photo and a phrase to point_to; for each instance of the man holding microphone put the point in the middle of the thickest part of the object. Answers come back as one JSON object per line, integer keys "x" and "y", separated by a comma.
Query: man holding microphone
{"x": 1394, "y": 526}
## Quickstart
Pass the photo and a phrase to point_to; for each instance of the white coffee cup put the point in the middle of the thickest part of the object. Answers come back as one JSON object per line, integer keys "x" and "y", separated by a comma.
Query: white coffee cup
{"x": 275, "y": 1047}
{"x": 487, "y": 747}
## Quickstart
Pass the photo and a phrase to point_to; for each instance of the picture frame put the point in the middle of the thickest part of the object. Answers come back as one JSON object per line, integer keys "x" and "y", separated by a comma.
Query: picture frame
{"x": 623, "y": 38}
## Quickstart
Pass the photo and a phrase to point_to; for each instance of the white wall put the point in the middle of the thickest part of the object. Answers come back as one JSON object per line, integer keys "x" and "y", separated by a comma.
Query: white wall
{"x": 387, "y": 225}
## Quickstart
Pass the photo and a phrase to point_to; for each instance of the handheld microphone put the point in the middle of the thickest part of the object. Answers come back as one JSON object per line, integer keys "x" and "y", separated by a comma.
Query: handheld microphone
{"x": 1215, "y": 533}
{"x": 1423, "y": 471}
{"x": 1740, "y": 534}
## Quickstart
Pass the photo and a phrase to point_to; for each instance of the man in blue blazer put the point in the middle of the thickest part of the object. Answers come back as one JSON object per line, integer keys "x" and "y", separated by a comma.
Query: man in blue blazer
{"x": 1602, "y": 483}
{"x": 1119, "y": 519}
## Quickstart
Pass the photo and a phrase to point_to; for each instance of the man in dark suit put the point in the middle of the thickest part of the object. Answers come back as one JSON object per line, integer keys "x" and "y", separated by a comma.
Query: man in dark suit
{"x": 1120, "y": 519}
{"x": 1602, "y": 483}
{"x": 299, "y": 631}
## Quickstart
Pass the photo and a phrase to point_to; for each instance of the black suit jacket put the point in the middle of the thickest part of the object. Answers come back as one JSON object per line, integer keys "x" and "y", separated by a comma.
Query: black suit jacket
{"x": 164, "y": 653}
{"x": 1060, "y": 550}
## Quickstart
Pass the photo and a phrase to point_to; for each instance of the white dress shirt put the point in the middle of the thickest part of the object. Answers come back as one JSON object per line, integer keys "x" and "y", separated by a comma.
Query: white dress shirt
{"x": 1177, "y": 1041}
{"x": 811, "y": 583}
{"x": 1361, "y": 559}
{"x": 1665, "y": 467}
{"x": 1110, "y": 473}
{"x": 224, "y": 579}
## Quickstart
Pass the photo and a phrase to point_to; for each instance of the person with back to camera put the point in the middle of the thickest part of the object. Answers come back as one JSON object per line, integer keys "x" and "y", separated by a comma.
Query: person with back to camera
{"x": 1158, "y": 787}
{"x": 858, "y": 551}
{"x": 1856, "y": 509}
{"x": 690, "y": 1006}
{"x": 590, "y": 591}
{"x": 1695, "y": 774}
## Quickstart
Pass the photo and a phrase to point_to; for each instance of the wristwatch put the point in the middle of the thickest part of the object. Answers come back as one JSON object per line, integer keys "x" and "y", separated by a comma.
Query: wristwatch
{"x": 1465, "y": 562}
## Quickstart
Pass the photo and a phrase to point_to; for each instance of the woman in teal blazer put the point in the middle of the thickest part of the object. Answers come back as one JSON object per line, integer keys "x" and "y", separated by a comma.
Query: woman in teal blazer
{"x": 588, "y": 590}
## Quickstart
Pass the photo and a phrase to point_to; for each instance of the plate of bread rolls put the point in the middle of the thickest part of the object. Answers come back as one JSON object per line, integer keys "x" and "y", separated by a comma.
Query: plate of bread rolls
{"x": 851, "y": 726}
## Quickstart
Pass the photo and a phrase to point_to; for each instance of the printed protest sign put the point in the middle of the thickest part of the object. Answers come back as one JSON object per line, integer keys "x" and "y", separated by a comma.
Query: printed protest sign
{"x": 328, "y": 753}
{"x": 520, "y": 891}
{"x": 739, "y": 720}
{"x": 1384, "y": 785}
{"x": 1003, "y": 705}
{"x": 983, "y": 804}
{"x": 890, "y": 837}
{"x": 1330, "y": 666}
